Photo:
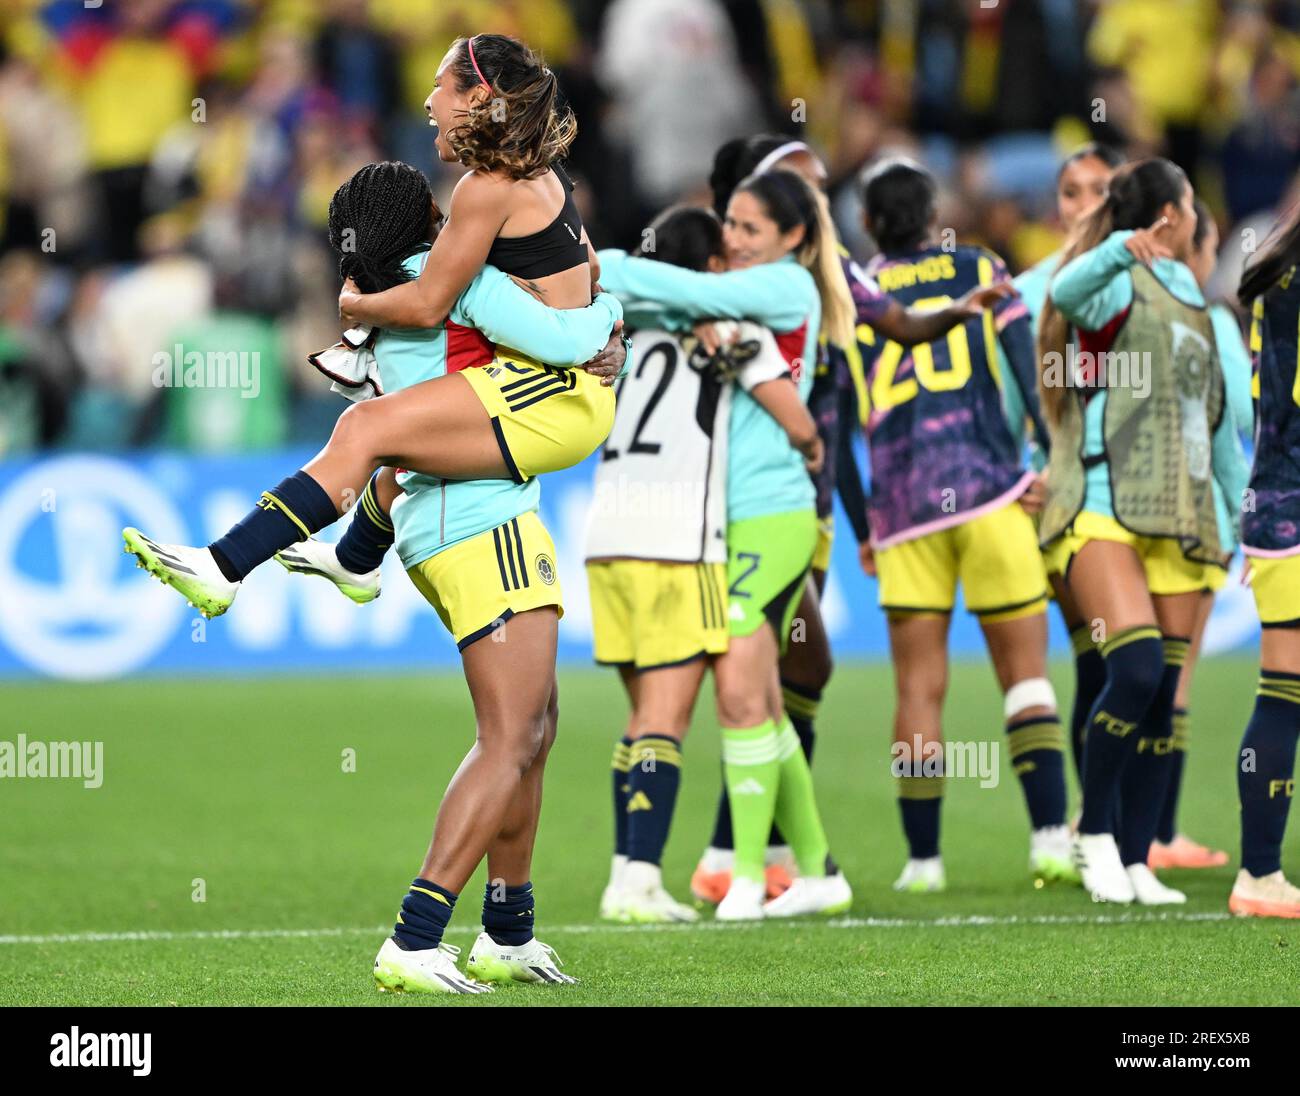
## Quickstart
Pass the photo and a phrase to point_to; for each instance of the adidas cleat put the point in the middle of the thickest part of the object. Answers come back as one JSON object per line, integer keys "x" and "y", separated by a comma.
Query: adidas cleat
{"x": 743, "y": 900}
{"x": 1097, "y": 857}
{"x": 430, "y": 970}
{"x": 531, "y": 962}
{"x": 191, "y": 572}
{"x": 1264, "y": 896}
{"x": 1149, "y": 891}
{"x": 922, "y": 876}
{"x": 1049, "y": 856}
{"x": 826, "y": 894}
{"x": 643, "y": 900}
{"x": 316, "y": 557}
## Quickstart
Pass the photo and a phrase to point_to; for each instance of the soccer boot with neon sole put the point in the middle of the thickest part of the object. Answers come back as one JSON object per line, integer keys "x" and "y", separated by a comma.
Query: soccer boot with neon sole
{"x": 643, "y": 900}
{"x": 1097, "y": 857}
{"x": 1265, "y": 896}
{"x": 743, "y": 900}
{"x": 191, "y": 572}
{"x": 316, "y": 557}
{"x": 532, "y": 962}
{"x": 1050, "y": 860}
{"x": 825, "y": 894}
{"x": 1183, "y": 852}
{"x": 429, "y": 970}
{"x": 1149, "y": 891}
{"x": 922, "y": 876}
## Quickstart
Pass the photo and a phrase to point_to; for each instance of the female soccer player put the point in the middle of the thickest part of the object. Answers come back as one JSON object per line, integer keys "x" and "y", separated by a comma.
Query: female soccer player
{"x": 1172, "y": 849}
{"x": 1081, "y": 186}
{"x": 495, "y": 107}
{"x": 806, "y": 665}
{"x": 1271, "y": 542}
{"x": 948, "y": 505}
{"x": 478, "y": 552}
{"x": 657, "y": 551}
{"x": 1130, "y": 518}
{"x": 783, "y": 269}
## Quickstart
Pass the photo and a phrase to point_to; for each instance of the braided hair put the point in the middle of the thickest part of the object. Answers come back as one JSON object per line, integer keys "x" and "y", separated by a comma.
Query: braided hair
{"x": 379, "y": 218}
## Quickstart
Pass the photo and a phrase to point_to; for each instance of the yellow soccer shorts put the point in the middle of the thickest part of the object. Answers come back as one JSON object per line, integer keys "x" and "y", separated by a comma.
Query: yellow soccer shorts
{"x": 821, "y": 560}
{"x": 480, "y": 583}
{"x": 545, "y": 418}
{"x": 651, "y": 614}
{"x": 1168, "y": 571}
{"x": 995, "y": 557}
{"x": 1275, "y": 582}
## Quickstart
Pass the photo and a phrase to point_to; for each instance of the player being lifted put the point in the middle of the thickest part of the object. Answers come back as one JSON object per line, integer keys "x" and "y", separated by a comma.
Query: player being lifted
{"x": 945, "y": 423}
{"x": 657, "y": 546}
{"x": 1270, "y": 537}
{"x": 1130, "y": 519}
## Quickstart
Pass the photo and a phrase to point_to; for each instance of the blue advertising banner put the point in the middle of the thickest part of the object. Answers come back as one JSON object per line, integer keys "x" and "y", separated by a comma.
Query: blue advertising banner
{"x": 73, "y": 606}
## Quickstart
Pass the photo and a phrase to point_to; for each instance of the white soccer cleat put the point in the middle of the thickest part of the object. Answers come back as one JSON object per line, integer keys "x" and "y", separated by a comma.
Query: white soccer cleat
{"x": 1097, "y": 857}
{"x": 743, "y": 900}
{"x": 826, "y": 894}
{"x": 316, "y": 557}
{"x": 922, "y": 876}
{"x": 643, "y": 900}
{"x": 191, "y": 572}
{"x": 1149, "y": 891}
{"x": 1264, "y": 896}
{"x": 429, "y": 970}
{"x": 1050, "y": 857}
{"x": 530, "y": 962}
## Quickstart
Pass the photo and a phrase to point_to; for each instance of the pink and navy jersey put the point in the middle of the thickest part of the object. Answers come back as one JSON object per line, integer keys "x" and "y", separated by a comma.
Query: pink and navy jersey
{"x": 941, "y": 449}
{"x": 1270, "y": 522}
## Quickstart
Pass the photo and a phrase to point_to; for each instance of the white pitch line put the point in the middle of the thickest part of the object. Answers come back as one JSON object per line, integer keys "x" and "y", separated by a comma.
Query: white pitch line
{"x": 972, "y": 921}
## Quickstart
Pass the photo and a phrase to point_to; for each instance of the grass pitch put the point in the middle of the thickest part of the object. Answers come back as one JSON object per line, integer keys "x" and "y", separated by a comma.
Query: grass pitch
{"x": 236, "y": 791}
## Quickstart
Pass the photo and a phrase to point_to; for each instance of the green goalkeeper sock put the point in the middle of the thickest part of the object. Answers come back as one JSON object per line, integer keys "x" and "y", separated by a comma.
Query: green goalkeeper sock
{"x": 752, "y": 773}
{"x": 796, "y": 805}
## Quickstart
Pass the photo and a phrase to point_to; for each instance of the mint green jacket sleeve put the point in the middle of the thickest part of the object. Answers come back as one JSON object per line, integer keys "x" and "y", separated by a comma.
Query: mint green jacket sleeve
{"x": 1234, "y": 359}
{"x": 1090, "y": 289}
{"x": 512, "y": 317}
{"x": 1231, "y": 471}
{"x": 780, "y": 295}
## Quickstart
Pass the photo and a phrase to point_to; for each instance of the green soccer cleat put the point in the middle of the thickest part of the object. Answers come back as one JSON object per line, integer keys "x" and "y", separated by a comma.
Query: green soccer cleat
{"x": 316, "y": 557}
{"x": 1050, "y": 857}
{"x": 191, "y": 572}
{"x": 533, "y": 962}
{"x": 431, "y": 970}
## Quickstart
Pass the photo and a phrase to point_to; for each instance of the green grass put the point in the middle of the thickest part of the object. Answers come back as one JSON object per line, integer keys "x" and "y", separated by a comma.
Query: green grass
{"x": 241, "y": 784}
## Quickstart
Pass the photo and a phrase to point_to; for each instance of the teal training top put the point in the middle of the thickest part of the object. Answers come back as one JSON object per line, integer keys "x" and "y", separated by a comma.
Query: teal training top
{"x": 433, "y": 514}
{"x": 765, "y": 473}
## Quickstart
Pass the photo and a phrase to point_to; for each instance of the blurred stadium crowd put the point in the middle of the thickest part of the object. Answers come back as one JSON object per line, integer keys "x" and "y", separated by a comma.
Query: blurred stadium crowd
{"x": 166, "y": 165}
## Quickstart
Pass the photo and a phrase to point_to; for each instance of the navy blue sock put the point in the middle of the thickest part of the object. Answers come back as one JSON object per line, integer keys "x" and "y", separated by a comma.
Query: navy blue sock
{"x": 1146, "y": 777}
{"x": 1134, "y": 669}
{"x": 618, "y": 769}
{"x": 653, "y": 777}
{"x": 1266, "y": 771}
{"x": 426, "y": 909}
{"x": 1037, "y": 749}
{"x": 722, "y": 838}
{"x": 292, "y": 511}
{"x": 1089, "y": 677}
{"x": 368, "y": 536}
{"x": 1168, "y": 826}
{"x": 508, "y": 913}
{"x": 920, "y": 801}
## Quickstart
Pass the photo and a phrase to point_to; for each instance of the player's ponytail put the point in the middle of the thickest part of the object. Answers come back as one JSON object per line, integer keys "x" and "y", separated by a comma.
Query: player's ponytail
{"x": 791, "y": 202}
{"x": 1137, "y": 193}
{"x": 1280, "y": 254}
{"x": 379, "y": 218}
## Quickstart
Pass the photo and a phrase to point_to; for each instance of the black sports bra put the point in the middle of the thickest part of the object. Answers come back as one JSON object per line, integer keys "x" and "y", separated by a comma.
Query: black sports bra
{"x": 555, "y": 248}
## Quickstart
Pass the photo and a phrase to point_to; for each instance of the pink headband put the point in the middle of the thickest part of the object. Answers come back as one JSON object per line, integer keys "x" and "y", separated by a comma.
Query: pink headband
{"x": 475, "y": 64}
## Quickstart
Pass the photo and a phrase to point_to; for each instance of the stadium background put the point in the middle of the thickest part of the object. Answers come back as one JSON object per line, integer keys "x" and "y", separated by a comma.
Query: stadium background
{"x": 165, "y": 169}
